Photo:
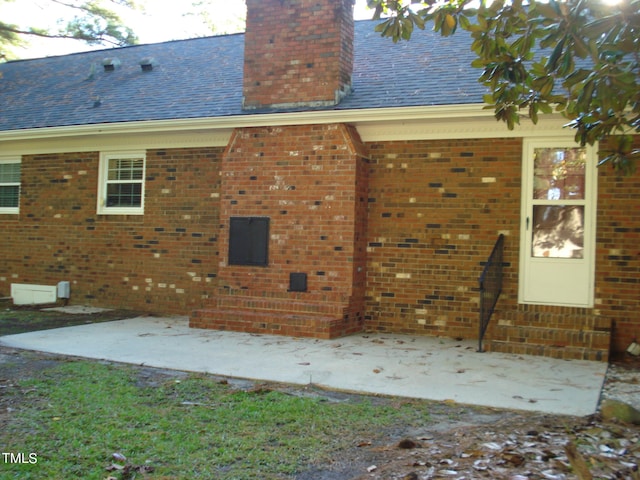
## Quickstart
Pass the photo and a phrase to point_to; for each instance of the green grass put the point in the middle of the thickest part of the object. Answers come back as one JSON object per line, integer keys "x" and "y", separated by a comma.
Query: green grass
{"x": 81, "y": 412}
{"x": 15, "y": 320}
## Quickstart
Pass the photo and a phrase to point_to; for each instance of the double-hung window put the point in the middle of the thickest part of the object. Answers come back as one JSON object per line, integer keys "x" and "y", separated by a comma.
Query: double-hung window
{"x": 121, "y": 187}
{"x": 9, "y": 185}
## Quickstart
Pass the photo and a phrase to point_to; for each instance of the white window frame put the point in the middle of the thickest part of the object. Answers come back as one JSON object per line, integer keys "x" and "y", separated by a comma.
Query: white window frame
{"x": 12, "y": 210}
{"x": 103, "y": 181}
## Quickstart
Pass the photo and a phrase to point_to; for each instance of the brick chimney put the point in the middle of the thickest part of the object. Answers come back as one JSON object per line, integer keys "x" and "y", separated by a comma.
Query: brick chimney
{"x": 298, "y": 53}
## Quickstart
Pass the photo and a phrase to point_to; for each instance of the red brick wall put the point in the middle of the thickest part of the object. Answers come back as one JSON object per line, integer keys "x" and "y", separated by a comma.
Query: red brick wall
{"x": 163, "y": 261}
{"x": 436, "y": 209}
{"x": 304, "y": 178}
{"x": 618, "y": 254}
{"x": 297, "y": 52}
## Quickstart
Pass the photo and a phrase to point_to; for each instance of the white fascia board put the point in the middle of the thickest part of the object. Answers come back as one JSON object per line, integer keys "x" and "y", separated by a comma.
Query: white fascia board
{"x": 375, "y": 124}
{"x": 253, "y": 120}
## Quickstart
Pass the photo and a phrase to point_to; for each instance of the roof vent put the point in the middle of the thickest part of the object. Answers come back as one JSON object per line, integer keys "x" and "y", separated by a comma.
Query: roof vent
{"x": 147, "y": 64}
{"x": 110, "y": 64}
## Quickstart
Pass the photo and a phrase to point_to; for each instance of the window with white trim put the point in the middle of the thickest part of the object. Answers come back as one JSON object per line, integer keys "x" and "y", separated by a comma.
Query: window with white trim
{"x": 121, "y": 183}
{"x": 10, "y": 185}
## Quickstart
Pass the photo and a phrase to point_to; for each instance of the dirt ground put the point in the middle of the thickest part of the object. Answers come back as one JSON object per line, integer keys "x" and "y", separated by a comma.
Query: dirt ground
{"x": 458, "y": 441}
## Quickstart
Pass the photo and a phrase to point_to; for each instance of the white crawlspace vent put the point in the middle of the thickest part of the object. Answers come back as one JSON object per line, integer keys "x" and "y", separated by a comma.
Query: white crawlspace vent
{"x": 25, "y": 294}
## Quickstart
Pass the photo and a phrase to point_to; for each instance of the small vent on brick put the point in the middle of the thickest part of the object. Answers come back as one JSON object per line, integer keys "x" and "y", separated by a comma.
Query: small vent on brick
{"x": 297, "y": 282}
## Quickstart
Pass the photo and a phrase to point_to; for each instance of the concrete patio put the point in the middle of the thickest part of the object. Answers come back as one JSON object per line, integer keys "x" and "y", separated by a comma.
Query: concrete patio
{"x": 386, "y": 364}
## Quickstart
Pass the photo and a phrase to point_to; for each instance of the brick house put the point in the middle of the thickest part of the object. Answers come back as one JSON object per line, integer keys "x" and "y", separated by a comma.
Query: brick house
{"x": 310, "y": 178}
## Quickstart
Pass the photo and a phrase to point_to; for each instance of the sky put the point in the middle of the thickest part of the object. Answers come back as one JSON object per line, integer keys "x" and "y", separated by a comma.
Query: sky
{"x": 162, "y": 20}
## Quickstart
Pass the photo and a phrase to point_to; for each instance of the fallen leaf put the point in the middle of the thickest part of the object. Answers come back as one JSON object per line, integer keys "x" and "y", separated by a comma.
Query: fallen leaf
{"x": 118, "y": 457}
{"x": 448, "y": 472}
{"x": 513, "y": 458}
{"x": 492, "y": 446}
{"x": 480, "y": 465}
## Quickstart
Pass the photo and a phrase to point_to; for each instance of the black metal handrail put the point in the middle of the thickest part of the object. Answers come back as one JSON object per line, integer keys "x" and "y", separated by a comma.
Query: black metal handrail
{"x": 490, "y": 286}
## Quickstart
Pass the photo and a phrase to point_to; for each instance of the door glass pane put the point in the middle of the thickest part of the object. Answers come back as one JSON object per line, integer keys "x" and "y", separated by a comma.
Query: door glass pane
{"x": 558, "y": 231}
{"x": 559, "y": 173}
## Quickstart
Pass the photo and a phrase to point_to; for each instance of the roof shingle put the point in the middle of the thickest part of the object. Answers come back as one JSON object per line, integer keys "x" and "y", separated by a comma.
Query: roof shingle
{"x": 202, "y": 77}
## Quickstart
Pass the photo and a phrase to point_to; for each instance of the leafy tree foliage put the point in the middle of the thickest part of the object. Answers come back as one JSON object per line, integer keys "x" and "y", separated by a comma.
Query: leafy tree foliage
{"x": 577, "y": 57}
{"x": 91, "y": 21}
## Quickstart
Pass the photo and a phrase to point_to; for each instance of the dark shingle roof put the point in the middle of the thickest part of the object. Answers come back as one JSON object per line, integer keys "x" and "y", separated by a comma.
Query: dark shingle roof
{"x": 202, "y": 77}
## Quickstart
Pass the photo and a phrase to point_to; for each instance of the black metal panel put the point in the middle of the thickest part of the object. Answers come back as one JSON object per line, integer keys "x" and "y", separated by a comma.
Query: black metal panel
{"x": 298, "y": 282}
{"x": 249, "y": 241}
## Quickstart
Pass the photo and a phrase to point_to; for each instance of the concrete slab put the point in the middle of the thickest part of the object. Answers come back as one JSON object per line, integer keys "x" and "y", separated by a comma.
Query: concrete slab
{"x": 77, "y": 309}
{"x": 387, "y": 364}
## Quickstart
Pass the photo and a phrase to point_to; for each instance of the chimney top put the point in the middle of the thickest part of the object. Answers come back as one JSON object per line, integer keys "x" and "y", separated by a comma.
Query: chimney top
{"x": 298, "y": 53}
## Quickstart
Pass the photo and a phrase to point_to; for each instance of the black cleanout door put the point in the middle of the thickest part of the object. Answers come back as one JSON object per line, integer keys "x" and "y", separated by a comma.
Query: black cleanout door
{"x": 249, "y": 241}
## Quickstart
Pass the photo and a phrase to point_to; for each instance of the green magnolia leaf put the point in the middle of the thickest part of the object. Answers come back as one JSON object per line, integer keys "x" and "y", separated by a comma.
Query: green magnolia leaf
{"x": 417, "y": 20}
{"x": 406, "y": 28}
{"x": 464, "y": 22}
{"x": 580, "y": 47}
{"x": 567, "y": 65}
{"x": 545, "y": 108}
{"x": 576, "y": 77}
{"x": 599, "y": 27}
{"x": 552, "y": 63}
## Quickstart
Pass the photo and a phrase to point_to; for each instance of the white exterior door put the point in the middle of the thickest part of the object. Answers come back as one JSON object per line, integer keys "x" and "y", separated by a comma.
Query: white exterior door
{"x": 557, "y": 250}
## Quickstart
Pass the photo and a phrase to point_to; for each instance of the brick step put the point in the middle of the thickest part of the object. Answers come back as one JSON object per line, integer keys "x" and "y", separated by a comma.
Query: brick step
{"x": 553, "y": 320}
{"x": 287, "y": 305}
{"x": 269, "y": 322}
{"x": 569, "y": 343}
{"x": 551, "y": 351}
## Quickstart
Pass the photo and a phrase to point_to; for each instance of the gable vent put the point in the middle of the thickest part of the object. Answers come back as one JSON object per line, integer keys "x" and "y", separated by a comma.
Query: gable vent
{"x": 148, "y": 64}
